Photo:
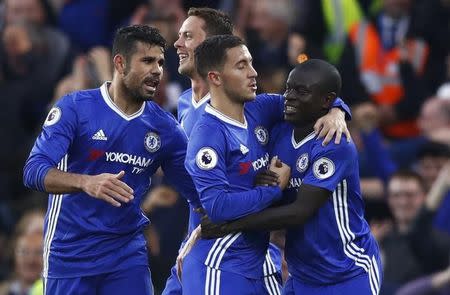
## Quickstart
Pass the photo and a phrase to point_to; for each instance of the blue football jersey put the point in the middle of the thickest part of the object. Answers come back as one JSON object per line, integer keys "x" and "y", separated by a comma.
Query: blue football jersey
{"x": 86, "y": 133}
{"x": 189, "y": 111}
{"x": 223, "y": 158}
{"x": 336, "y": 244}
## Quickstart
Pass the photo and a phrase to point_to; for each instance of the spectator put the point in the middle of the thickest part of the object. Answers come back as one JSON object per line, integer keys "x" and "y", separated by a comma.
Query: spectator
{"x": 27, "y": 247}
{"x": 385, "y": 62}
{"x": 405, "y": 256}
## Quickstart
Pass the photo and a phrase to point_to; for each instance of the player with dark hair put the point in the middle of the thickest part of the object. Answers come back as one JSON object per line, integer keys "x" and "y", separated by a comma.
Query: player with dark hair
{"x": 224, "y": 155}
{"x": 200, "y": 24}
{"x": 329, "y": 248}
{"x": 95, "y": 156}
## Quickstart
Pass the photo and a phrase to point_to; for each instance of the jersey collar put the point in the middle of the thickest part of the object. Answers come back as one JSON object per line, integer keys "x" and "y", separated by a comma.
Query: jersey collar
{"x": 296, "y": 145}
{"x": 204, "y": 99}
{"x": 211, "y": 110}
{"x": 114, "y": 107}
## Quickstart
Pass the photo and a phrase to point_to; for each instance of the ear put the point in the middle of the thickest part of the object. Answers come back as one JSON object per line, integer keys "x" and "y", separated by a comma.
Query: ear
{"x": 214, "y": 78}
{"x": 329, "y": 99}
{"x": 119, "y": 63}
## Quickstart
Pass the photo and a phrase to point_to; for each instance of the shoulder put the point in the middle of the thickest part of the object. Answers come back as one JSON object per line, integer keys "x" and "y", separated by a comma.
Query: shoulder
{"x": 159, "y": 115}
{"x": 266, "y": 99}
{"x": 342, "y": 152}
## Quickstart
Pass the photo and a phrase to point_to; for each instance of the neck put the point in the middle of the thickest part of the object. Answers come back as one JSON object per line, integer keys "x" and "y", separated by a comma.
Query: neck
{"x": 199, "y": 88}
{"x": 224, "y": 104}
{"x": 122, "y": 98}
{"x": 300, "y": 132}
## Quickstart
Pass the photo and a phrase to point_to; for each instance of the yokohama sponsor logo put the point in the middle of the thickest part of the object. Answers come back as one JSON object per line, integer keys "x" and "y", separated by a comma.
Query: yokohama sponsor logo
{"x": 128, "y": 159}
{"x": 261, "y": 162}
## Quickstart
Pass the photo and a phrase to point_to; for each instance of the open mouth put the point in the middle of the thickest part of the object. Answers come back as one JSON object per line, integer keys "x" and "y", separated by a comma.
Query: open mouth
{"x": 151, "y": 84}
{"x": 183, "y": 57}
{"x": 253, "y": 86}
{"x": 289, "y": 110}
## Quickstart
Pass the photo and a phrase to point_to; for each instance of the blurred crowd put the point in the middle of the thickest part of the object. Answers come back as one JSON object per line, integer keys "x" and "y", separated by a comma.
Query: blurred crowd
{"x": 394, "y": 57}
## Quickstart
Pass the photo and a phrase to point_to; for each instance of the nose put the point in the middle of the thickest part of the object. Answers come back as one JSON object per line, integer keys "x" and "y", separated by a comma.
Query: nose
{"x": 253, "y": 73}
{"x": 157, "y": 70}
{"x": 178, "y": 43}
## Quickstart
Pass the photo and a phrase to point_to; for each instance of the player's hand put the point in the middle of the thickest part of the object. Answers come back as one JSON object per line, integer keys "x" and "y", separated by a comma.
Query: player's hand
{"x": 210, "y": 230}
{"x": 283, "y": 170}
{"x": 109, "y": 188}
{"x": 332, "y": 124}
{"x": 266, "y": 178}
{"x": 195, "y": 236}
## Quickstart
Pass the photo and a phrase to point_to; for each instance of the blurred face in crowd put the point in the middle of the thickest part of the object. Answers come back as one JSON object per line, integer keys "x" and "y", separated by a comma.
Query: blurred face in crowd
{"x": 396, "y": 8}
{"x": 143, "y": 71}
{"x": 28, "y": 257}
{"x": 238, "y": 76}
{"x": 434, "y": 115}
{"x": 429, "y": 168}
{"x": 190, "y": 35}
{"x": 405, "y": 198}
{"x": 24, "y": 10}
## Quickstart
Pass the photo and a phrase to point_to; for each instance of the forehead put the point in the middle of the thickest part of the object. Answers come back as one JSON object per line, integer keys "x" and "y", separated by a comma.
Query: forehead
{"x": 400, "y": 184}
{"x": 303, "y": 78}
{"x": 237, "y": 54}
{"x": 143, "y": 49}
{"x": 193, "y": 24}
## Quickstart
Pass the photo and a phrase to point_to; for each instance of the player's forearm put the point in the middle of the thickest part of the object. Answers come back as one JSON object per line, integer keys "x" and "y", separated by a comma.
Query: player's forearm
{"x": 271, "y": 219}
{"x": 35, "y": 170}
{"x": 224, "y": 206}
{"x": 340, "y": 104}
{"x": 60, "y": 182}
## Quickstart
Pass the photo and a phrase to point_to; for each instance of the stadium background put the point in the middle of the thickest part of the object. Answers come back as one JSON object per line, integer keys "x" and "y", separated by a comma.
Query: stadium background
{"x": 52, "y": 47}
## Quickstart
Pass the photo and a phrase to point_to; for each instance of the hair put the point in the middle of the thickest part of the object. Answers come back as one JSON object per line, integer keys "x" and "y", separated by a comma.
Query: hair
{"x": 433, "y": 149}
{"x": 126, "y": 38}
{"x": 330, "y": 78}
{"x": 211, "y": 53}
{"x": 407, "y": 175}
{"x": 216, "y": 22}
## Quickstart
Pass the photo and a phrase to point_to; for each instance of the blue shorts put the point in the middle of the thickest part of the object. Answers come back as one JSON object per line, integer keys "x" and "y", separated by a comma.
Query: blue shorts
{"x": 199, "y": 279}
{"x": 358, "y": 285}
{"x": 136, "y": 281}
{"x": 173, "y": 284}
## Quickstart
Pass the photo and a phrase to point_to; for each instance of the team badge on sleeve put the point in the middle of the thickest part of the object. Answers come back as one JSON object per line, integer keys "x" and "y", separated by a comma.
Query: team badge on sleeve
{"x": 206, "y": 158}
{"x": 262, "y": 135}
{"x": 323, "y": 168}
{"x": 302, "y": 163}
{"x": 53, "y": 116}
{"x": 152, "y": 142}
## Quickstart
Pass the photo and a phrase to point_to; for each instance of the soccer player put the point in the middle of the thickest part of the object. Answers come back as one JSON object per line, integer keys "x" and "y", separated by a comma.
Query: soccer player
{"x": 225, "y": 151}
{"x": 95, "y": 156}
{"x": 200, "y": 24}
{"x": 329, "y": 248}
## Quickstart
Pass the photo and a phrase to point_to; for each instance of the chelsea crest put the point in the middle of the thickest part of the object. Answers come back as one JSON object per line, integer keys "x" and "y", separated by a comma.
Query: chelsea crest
{"x": 262, "y": 135}
{"x": 152, "y": 142}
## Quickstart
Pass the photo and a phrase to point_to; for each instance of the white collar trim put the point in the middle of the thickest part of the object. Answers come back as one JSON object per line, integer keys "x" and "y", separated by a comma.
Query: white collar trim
{"x": 114, "y": 107}
{"x": 211, "y": 110}
{"x": 296, "y": 145}
{"x": 201, "y": 101}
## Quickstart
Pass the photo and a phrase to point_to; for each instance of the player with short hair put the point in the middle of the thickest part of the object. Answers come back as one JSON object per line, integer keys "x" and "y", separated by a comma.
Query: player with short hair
{"x": 200, "y": 24}
{"x": 329, "y": 248}
{"x": 226, "y": 149}
{"x": 95, "y": 155}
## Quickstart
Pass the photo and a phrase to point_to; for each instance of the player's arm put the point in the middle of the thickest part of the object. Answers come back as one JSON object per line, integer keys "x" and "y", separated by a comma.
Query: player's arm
{"x": 308, "y": 202}
{"x": 205, "y": 162}
{"x": 45, "y": 167}
{"x": 174, "y": 170}
{"x": 311, "y": 196}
